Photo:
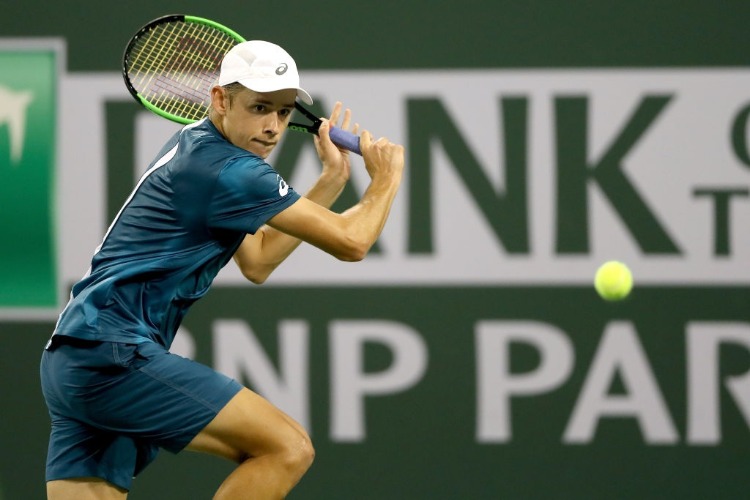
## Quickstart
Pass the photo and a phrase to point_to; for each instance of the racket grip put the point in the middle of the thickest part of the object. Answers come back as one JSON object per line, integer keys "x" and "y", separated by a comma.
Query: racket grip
{"x": 345, "y": 140}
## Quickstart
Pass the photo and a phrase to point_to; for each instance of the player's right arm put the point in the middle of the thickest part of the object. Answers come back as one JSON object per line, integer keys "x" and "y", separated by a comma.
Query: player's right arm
{"x": 350, "y": 235}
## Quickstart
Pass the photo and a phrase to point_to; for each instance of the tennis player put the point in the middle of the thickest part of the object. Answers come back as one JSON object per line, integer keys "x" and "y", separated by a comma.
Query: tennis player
{"x": 115, "y": 393}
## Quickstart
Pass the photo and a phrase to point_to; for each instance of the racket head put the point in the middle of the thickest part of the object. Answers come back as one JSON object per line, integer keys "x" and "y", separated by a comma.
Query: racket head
{"x": 172, "y": 62}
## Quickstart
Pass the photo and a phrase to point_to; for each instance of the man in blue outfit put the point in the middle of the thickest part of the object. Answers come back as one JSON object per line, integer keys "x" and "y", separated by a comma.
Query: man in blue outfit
{"x": 114, "y": 392}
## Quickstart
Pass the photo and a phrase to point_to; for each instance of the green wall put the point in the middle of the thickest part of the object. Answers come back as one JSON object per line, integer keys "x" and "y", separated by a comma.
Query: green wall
{"x": 422, "y": 34}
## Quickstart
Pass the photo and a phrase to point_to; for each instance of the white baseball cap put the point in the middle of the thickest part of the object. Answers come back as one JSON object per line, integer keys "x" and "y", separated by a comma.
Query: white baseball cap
{"x": 262, "y": 67}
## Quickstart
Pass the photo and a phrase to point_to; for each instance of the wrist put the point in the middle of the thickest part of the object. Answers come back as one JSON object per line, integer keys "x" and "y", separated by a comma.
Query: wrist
{"x": 334, "y": 176}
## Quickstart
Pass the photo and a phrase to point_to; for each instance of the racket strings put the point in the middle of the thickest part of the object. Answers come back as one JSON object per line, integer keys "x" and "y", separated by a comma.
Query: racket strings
{"x": 174, "y": 65}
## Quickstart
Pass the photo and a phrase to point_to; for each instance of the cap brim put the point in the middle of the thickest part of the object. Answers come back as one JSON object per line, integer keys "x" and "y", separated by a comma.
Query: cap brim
{"x": 304, "y": 96}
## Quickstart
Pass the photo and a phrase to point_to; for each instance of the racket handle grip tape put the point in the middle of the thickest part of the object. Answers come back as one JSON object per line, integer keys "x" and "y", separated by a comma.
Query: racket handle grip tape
{"x": 345, "y": 140}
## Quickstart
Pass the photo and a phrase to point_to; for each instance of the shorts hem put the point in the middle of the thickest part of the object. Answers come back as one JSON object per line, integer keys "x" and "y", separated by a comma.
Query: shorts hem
{"x": 55, "y": 475}
{"x": 235, "y": 387}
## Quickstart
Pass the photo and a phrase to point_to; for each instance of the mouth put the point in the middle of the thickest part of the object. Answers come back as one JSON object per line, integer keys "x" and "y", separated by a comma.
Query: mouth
{"x": 265, "y": 143}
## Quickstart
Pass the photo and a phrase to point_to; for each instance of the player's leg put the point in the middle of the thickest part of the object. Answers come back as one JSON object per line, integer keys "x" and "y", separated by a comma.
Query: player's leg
{"x": 84, "y": 488}
{"x": 273, "y": 451}
{"x": 83, "y": 461}
{"x": 169, "y": 400}
{"x": 87, "y": 463}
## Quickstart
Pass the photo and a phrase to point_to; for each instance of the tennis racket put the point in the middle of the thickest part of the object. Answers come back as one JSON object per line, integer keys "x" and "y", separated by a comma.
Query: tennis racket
{"x": 171, "y": 64}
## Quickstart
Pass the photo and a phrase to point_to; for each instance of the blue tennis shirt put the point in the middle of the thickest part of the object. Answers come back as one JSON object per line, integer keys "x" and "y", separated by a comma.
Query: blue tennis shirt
{"x": 182, "y": 223}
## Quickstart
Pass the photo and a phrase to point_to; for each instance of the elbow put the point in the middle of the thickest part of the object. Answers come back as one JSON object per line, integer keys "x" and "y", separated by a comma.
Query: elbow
{"x": 257, "y": 280}
{"x": 353, "y": 251}
{"x": 350, "y": 257}
{"x": 255, "y": 275}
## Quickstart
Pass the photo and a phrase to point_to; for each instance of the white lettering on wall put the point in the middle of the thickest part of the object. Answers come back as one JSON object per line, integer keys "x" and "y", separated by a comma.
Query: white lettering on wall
{"x": 351, "y": 385}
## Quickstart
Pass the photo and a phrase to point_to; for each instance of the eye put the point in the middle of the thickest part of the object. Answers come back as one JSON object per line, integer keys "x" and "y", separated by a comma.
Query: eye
{"x": 284, "y": 112}
{"x": 259, "y": 108}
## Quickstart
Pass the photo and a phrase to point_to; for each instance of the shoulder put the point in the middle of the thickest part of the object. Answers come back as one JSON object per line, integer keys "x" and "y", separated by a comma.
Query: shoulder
{"x": 202, "y": 145}
{"x": 252, "y": 175}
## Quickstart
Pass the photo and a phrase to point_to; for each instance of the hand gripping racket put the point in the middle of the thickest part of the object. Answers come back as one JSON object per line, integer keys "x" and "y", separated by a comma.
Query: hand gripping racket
{"x": 170, "y": 65}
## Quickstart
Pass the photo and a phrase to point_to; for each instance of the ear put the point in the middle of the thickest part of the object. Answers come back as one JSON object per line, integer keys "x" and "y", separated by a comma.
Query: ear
{"x": 219, "y": 99}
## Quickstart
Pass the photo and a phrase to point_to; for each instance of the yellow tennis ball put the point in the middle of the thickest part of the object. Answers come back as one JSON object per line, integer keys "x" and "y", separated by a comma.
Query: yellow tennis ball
{"x": 613, "y": 280}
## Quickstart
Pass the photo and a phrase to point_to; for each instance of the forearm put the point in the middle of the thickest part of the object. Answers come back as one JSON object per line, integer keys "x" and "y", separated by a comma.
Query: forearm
{"x": 276, "y": 246}
{"x": 326, "y": 190}
{"x": 365, "y": 221}
{"x": 350, "y": 235}
{"x": 347, "y": 236}
{"x": 261, "y": 253}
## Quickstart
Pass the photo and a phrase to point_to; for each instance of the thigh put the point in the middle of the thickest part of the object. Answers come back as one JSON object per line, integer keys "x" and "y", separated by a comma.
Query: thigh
{"x": 147, "y": 394}
{"x": 84, "y": 488}
{"x": 176, "y": 397}
{"x": 248, "y": 426}
{"x": 113, "y": 405}
{"x": 77, "y": 450}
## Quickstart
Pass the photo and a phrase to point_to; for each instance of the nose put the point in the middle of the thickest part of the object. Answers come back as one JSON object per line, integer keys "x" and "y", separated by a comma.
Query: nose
{"x": 272, "y": 124}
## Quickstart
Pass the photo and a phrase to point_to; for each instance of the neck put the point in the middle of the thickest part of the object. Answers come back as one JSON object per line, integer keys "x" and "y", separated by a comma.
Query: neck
{"x": 215, "y": 118}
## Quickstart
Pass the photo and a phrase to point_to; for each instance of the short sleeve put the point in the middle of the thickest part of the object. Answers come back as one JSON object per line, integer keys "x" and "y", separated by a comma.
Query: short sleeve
{"x": 247, "y": 193}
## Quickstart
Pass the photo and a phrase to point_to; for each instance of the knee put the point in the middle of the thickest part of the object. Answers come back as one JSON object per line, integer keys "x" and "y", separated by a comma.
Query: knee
{"x": 299, "y": 455}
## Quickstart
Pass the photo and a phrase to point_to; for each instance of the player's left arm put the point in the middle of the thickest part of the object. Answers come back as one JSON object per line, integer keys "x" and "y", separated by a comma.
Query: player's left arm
{"x": 262, "y": 252}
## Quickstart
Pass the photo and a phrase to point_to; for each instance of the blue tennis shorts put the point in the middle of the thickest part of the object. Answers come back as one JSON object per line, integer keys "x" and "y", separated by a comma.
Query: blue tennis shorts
{"x": 113, "y": 405}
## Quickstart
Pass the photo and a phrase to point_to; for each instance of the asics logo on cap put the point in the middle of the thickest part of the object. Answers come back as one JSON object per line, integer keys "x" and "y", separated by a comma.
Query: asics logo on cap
{"x": 282, "y": 69}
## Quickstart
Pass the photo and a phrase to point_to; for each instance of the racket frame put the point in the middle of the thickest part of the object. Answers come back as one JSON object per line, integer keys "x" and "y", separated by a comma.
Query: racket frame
{"x": 146, "y": 29}
{"x": 350, "y": 141}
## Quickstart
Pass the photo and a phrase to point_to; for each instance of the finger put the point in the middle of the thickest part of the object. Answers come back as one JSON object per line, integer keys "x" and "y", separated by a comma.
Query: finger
{"x": 365, "y": 139}
{"x": 336, "y": 112}
{"x": 355, "y": 129}
{"x": 324, "y": 129}
{"x": 347, "y": 119}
